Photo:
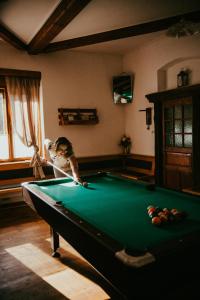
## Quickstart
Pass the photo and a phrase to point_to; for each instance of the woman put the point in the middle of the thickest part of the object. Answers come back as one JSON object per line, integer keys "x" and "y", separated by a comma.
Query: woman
{"x": 62, "y": 155}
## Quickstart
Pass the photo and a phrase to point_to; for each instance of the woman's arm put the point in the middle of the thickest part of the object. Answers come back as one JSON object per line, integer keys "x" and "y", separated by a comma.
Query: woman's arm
{"x": 74, "y": 168}
{"x": 75, "y": 172}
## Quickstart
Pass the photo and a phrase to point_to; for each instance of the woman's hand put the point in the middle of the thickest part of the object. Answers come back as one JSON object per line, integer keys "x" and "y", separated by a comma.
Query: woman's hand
{"x": 82, "y": 182}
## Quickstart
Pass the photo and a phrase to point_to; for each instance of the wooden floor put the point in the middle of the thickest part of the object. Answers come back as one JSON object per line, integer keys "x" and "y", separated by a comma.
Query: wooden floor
{"x": 27, "y": 270}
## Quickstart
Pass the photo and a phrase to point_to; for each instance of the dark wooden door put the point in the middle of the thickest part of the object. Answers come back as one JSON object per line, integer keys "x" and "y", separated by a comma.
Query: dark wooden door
{"x": 177, "y": 143}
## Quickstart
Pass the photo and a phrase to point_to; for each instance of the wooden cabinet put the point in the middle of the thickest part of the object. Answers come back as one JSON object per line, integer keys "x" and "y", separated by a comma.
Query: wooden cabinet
{"x": 177, "y": 143}
{"x": 77, "y": 116}
{"x": 177, "y": 137}
{"x": 177, "y": 170}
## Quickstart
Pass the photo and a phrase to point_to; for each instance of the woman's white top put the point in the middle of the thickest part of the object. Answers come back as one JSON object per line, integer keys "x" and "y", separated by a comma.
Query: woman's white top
{"x": 58, "y": 160}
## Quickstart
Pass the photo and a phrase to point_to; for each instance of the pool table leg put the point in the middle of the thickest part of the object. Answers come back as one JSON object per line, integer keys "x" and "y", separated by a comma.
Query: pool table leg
{"x": 54, "y": 242}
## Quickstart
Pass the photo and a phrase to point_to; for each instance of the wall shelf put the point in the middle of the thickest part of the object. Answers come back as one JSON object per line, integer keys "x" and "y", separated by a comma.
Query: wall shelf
{"x": 77, "y": 116}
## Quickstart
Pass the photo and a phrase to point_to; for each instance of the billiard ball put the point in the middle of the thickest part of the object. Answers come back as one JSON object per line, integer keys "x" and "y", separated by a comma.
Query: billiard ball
{"x": 151, "y": 210}
{"x": 150, "y": 206}
{"x": 163, "y": 218}
{"x": 156, "y": 221}
{"x": 174, "y": 211}
{"x": 158, "y": 209}
{"x": 166, "y": 211}
{"x": 85, "y": 184}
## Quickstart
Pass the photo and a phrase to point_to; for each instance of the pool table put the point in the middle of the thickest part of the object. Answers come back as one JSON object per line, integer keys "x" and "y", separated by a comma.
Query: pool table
{"x": 108, "y": 224}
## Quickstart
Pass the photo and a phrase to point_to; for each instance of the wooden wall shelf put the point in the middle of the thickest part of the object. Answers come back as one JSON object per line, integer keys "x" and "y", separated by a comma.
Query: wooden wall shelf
{"x": 77, "y": 116}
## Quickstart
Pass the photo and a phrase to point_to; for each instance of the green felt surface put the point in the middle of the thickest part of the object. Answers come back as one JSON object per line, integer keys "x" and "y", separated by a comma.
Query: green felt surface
{"x": 118, "y": 207}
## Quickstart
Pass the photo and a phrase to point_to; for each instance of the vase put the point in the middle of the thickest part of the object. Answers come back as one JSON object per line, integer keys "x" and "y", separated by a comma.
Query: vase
{"x": 126, "y": 150}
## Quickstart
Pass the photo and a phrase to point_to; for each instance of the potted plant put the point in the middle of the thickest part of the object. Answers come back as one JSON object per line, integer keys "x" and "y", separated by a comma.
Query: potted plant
{"x": 125, "y": 143}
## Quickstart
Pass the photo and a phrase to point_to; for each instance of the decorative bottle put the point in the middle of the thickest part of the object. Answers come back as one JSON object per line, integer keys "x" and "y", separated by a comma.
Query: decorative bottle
{"x": 182, "y": 78}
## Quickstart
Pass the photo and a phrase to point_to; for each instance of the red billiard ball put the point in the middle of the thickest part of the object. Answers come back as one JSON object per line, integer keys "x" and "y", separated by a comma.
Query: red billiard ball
{"x": 156, "y": 221}
{"x": 151, "y": 210}
{"x": 150, "y": 206}
{"x": 166, "y": 210}
{"x": 174, "y": 211}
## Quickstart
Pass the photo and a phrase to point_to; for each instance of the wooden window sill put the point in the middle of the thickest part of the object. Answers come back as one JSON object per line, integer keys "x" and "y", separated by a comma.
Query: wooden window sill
{"x": 14, "y": 165}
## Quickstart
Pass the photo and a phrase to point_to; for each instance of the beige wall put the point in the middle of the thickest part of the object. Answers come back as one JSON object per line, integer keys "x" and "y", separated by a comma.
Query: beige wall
{"x": 76, "y": 80}
{"x": 166, "y": 55}
{"x": 83, "y": 80}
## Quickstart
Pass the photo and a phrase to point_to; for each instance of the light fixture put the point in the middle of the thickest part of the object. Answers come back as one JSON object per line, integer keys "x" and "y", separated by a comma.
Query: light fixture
{"x": 148, "y": 111}
{"x": 183, "y": 28}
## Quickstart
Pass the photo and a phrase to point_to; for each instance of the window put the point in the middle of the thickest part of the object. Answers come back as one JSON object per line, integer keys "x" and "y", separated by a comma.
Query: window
{"x": 178, "y": 125}
{"x": 12, "y": 148}
{"x": 4, "y": 149}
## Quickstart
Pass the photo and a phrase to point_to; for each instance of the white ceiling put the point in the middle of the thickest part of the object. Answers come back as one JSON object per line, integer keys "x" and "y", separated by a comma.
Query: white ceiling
{"x": 25, "y": 17}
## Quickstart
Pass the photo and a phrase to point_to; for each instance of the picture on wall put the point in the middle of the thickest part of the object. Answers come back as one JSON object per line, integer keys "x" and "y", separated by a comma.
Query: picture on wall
{"x": 122, "y": 88}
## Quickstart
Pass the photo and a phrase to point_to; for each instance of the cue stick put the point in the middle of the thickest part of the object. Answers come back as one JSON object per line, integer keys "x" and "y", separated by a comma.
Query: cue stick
{"x": 63, "y": 172}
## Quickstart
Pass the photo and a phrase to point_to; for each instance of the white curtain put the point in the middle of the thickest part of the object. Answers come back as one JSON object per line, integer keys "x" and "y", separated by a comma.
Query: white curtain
{"x": 24, "y": 95}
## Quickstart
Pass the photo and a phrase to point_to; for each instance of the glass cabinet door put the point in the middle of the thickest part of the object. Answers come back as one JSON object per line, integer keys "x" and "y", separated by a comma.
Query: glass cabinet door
{"x": 178, "y": 125}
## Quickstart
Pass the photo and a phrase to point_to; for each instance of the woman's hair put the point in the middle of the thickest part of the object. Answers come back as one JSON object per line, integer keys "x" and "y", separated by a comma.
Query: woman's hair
{"x": 64, "y": 141}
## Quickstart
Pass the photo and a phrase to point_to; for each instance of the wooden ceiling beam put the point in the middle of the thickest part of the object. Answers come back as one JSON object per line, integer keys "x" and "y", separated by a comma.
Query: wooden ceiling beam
{"x": 125, "y": 32}
{"x": 11, "y": 38}
{"x": 58, "y": 20}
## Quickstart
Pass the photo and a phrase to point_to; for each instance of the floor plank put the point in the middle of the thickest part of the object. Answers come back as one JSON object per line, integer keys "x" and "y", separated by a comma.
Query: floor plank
{"x": 28, "y": 271}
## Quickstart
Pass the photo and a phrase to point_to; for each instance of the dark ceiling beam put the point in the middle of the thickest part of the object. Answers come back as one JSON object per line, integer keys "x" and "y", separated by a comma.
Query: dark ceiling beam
{"x": 61, "y": 16}
{"x": 125, "y": 32}
{"x": 11, "y": 38}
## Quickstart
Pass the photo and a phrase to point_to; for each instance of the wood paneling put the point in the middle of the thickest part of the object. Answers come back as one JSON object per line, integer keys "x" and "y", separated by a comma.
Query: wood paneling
{"x": 172, "y": 178}
{"x": 10, "y": 191}
{"x": 177, "y": 177}
{"x": 141, "y": 164}
{"x": 14, "y": 165}
{"x": 178, "y": 159}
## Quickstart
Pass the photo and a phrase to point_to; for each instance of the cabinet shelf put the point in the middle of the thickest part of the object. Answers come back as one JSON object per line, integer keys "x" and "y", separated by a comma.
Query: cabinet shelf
{"x": 77, "y": 116}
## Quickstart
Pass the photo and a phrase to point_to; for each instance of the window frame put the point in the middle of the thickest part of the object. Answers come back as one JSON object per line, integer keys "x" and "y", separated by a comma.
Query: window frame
{"x": 19, "y": 73}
